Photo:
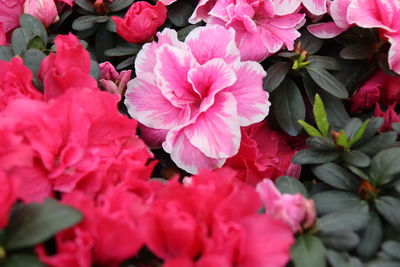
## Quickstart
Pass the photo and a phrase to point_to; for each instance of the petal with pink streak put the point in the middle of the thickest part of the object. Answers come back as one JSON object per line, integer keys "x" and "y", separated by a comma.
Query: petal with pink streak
{"x": 171, "y": 71}
{"x": 291, "y": 21}
{"x": 201, "y": 11}
{"x": 338, "y": 11}
{"x": 146, "y": 58}
{"x": 284, "y": 7}
{"x": 167, "y": 2}
{"x": 208, "y": 79}
{"x": 394, "y": 53}
{"x": 186, "y": 156}
{"x": 248, "y": 51}
{"x": 211, "y": 42}
{"x": 248, "y": 92}
{"x": 275, "y": 37}
{"x": 146, "y": 104}
{"x": 371, "y": 14}
{"x": 325, "y": 30}
{"x": 216, "y": 132}
{"x": 316, "y": 7}
{"x": 219, "y": 10}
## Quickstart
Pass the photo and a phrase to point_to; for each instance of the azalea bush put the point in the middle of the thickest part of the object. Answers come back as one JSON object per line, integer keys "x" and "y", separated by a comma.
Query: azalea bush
{"x": 185, "y": 133}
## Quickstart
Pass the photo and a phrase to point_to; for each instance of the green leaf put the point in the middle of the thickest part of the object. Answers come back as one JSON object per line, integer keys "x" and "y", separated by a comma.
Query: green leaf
{"x": 337, "y": 114}
{"x": 94, "y": 69}
{"x": 103, "y": 41}
{"x": 327, "y": 82}
{"x": 396, "y": 127}
{"x": 309, "y": 42}
{"x": 356, "y": 158}
{"x": 388, "y": 207}
{"x": 119, "y": 5}
{"x": 352, "y": 127}
{"x": 182, "y": 33}
{"x": 309, "y": 128}
{"x": 22, "y": 259}
{"x": 371, "y": 237}
{"x": 290, "y": 185}
{"x": 35, "y": 223}
{"x": 123, "y": 50}
{"x": 6, "y": 53}
{"x": 342, "y": 140}
{"x": 334, "y": 200}
{"x": 359, "y": 173}
{"x": 19, "y": 40}
{"x": 33, "y": 27}
{"x": 84, "y": 23}
{"x": 385, "y": 165}
{"x": 324, "y": 62}
{"x": 351, "y": 219}
{"x": 126, "y": 63}
{"x": 320, "y": 116}
{"x": 336, "y": 176}
{"x": 288, "y": 107}
{"x": 275, "y": 75}
{"x": 359, "y": 133}
{"x": 314, "y": 156}
{"x": 320, "y": 143}
{"x": 32, "y": 59}
{"x": 36, "y": 43}
{"x": 341, "y": 240}
{"x": 342, "y": 260}
{"x": 86, "y": 5}
{"x": 392, "y": 248}
{"x": 357, "y": 51}
{"x": 308, "y": 251}
{"x": 179, "y": 13}
{"x": 378, "y": 143}
{"x": 383, "y": 63}
{"x": 370, "y": 131}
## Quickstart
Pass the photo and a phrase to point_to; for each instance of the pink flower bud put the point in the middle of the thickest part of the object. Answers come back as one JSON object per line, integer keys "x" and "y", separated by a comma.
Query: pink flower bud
{"x": 112, "y": 81}
{"x": 44, "y": 10}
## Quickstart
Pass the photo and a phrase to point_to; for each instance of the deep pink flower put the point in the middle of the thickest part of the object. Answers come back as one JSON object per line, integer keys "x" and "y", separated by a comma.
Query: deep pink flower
{"x": 7, "y": 198}
{"x": 295, "y": 210}
{"x": 211, "y": 220}
{"x": 285, "y": 7}
{"x": 68, "y": 68}
{"x": 199, "y": 92}
{"x": 389, "y": 116}
{"x": 10, "y": 10}
{"x": 43, "y": 10}
{"x": 112, "y": 81}
{"x": 141, "y": 21}
{"x": 254, "y": 22}
{"x": 3, "y": 37}
{"x": 263, "y": 153}
{"x": 16, "y": 82}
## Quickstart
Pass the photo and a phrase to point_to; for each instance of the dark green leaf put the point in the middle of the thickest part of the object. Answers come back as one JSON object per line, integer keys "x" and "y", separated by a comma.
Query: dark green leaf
{"x": 334, "y": 200}
{"x": 33, "y": 27}
{"x": 384, "y": 65}
{"x": 385, "y": 165}
{"x": 6, "y": 53}
{"x": 308, "y": 251}
{"x": 388, "y": 207}
{"x": 327, "y": 82}
{"x": 351, "y": 219}
{"x": 336, "y": 176}
{"x": 123, "y": 50}
{"x": 182, "y": 33}
{"x": 36, "y": 43}
{"x": 320, "y": 116}
{"x": 324, "y": 62}
{"x": 357, "y": 51}
{"x": 352, "y": 127}
{"x": 372, "y": 127}
{"x": 359, "y": 133}
{"x": 179, "y": 13}
{"x": 392, "y": 248}
{"x": 288, "y": 107}
{"x": 118, "y": 5}
{"x": 94, "y": 69}
{"x": 309, "y": 129}
{"x": 313, "y": 156}
{"x": 396, "y": 127}
{"x": 22, "y": 260}
{"x": 275, "y": 75}
{"x": 356, "y": 158}
{"x": 110, "y": 26}
{"x": 126, "y": 63}
{"x": 19, "y": 41}
{"x": 103, "y": 42}
{"x": 383, "y": 263}
{"x": 290, "y": 185}
{"x": 378, "y": 143}
{"x": 309, "y": 42}
{"x": 32, "y": 59}
{"x": 337, "y": 114}
{"x": 320, "y": 143}
{"x": 371, "y": 237}
{"x": 84, "y": 23}
{"x": 35, "y": 223}
{"x": 341, "y": 241}
{"x": 86, "y": 5}
{"x": 342, "y": 260}
{"x": 359, "y": 172}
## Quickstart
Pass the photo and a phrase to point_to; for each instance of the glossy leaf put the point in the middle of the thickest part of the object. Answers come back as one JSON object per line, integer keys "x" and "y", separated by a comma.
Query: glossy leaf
{"x": 327, "y": 82}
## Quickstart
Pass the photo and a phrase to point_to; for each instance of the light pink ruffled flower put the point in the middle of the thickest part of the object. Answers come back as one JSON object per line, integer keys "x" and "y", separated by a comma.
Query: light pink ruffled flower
{"x": 190, "y": 91}
{"x": 285, "y": 7}
{"x": 43, "y": 10}
{"x": 295, "y": 210}
{"x": 259, "y": 30}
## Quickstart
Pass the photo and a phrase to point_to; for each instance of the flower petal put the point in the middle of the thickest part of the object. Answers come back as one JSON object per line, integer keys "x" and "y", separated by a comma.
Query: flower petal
{"x": 325, "y": 30}
{"x": 316, "y": 7}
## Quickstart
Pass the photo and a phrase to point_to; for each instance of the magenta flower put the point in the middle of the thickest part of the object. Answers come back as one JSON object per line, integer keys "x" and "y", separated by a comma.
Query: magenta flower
{"x": 255, "y": 22}
{"x": 112, "y": 81}
{"x": 189, "y": 92}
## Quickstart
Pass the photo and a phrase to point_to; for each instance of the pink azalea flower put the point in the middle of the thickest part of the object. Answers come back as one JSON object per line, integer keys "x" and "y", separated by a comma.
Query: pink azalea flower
{"x": 389, "y": 116}
{"x": 3, "y": 37}
{"x": 7, "y": 198}
{"x": 10, "y": 10}
{"x": 44, "y": 10}
{"x": 295, "y": 210}
{"x": 112, "y": 81}
{"x": 255, "y": 22}
{"x": 192, "y": 90}
{"x": 285, "y": 7}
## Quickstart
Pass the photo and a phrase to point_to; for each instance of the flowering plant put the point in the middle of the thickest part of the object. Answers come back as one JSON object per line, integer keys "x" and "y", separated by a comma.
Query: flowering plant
{"x": 199, "y": 133}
